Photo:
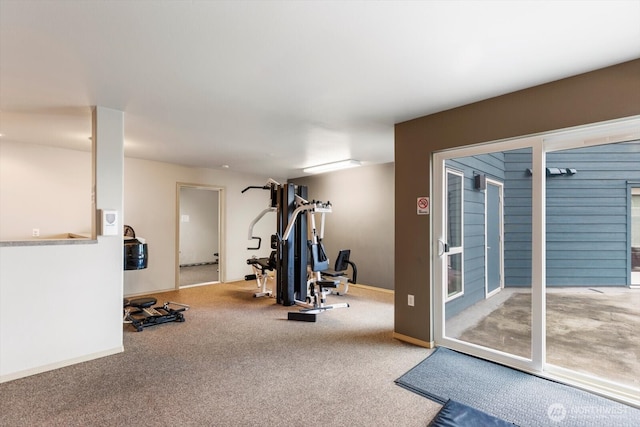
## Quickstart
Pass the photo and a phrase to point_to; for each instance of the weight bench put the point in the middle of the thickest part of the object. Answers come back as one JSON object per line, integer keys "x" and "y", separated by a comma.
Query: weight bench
{"x": 141, "y": 313}
{"x": 261, "y": 267}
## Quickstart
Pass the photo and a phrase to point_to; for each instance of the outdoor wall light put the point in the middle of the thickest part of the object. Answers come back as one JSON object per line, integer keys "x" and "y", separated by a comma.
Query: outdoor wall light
{"x": 554, "y": 171}
{"x": 479, "y": 181}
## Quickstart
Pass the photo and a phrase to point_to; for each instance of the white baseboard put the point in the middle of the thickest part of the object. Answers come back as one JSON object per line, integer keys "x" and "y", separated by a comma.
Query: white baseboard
{"x": 61, "y": 364}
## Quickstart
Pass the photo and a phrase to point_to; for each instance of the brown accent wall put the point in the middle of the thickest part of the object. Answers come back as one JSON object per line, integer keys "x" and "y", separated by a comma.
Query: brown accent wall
{"x": 605, "y": 94}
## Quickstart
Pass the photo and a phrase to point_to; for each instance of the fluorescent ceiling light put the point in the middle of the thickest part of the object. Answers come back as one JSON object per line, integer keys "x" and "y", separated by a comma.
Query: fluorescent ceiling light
{"x": 327, "y": 167}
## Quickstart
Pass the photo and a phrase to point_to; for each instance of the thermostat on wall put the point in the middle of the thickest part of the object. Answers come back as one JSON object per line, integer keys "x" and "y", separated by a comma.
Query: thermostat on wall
{"x": 109, "y": 222}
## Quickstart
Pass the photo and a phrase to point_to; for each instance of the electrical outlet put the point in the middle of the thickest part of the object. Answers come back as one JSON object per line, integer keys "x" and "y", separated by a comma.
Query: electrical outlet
{"x": 410, "y": 300}
{"x": 35, "y": 232}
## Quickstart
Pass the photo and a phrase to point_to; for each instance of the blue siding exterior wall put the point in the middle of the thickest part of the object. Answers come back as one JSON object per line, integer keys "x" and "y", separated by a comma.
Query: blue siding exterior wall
{"x": 517, "y": 218}
{"x": 473, "y": 225}
{"x": 588, "y": 239}
{"x": 588, "y": 213}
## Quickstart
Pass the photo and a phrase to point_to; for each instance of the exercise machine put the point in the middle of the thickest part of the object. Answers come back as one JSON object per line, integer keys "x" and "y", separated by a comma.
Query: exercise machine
{"x": 141, "y": 313}
{"x": 299, "y": 254}
{"x": 261, "y": 268}
{"x": 317, "y": 287}
{"x": 271, "y": 185}
{"x": 339, "y": 272}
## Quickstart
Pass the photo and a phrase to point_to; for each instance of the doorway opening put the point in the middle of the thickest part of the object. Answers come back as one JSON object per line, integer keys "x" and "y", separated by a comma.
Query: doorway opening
{"x": 199, "y": 237}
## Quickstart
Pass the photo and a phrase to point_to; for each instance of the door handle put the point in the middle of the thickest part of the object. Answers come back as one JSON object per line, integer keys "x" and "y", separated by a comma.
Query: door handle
{"x": 445, "y": 247}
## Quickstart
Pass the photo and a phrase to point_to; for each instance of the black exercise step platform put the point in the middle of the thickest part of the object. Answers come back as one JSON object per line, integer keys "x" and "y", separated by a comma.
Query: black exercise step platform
{"x": 301, "y": 316}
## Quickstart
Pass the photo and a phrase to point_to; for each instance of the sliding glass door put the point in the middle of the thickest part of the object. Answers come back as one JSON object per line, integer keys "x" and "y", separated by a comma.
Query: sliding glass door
{"x": 592, "y": 310}
{"x": 534, "y": 255}
{"x": 484, "y": 252}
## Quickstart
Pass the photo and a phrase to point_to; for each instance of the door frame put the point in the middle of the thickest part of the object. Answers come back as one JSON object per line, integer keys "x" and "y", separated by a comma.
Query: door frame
{"x": 500, "y": 186}
{"x": 634, "y": 276}
{"x": 455, "y": 250}
{"x": 588, "y": 135}
{"x": 438, "y": 262}
{"x": 221, "y": 228}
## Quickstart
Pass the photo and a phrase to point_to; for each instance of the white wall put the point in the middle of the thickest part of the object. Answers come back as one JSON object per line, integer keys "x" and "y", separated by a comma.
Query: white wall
{"x": 43, "y": 187}
{"x": 45, "y": 290}
{"x": 150, "y": 198}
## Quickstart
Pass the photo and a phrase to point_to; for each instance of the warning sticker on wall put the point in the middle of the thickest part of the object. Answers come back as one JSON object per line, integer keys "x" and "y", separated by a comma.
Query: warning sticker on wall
{"x": 423, "y": 205}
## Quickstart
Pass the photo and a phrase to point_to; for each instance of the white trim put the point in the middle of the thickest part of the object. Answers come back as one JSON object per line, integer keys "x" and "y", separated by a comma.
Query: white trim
{"x": 457, "y": 250}
{"x": 221, "y": 232}
{"x": 487, "y": 147}
{"x": 589, "y": 135}
{"x": 437, "y": 260}
{"x": 518, "y": 362}
{"x": 634, "y": 276}
{"x": 596, "y": 134}
{"x": 609, "y": 389}
{"x": 500, "y": 186}
{"x": 538, "y": 259}
{"x": 61, "y": 364}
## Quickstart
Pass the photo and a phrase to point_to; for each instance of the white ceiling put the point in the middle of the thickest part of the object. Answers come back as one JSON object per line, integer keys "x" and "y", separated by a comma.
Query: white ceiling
{"x": 270, "y": 87}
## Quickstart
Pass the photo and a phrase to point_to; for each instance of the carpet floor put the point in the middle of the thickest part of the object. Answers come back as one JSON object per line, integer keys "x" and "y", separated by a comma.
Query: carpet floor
{"x": 236, "y": 361}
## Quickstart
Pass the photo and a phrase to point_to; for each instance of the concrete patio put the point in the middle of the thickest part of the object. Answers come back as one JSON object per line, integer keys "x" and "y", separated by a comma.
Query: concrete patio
{"x": 593, "y": 330}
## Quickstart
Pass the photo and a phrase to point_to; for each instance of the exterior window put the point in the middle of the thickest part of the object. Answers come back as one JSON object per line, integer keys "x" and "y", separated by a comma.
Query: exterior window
{"x": 454, "y": 218}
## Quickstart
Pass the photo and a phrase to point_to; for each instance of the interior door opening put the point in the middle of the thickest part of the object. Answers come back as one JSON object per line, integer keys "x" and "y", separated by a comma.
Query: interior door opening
{"x": 199, "y": 252}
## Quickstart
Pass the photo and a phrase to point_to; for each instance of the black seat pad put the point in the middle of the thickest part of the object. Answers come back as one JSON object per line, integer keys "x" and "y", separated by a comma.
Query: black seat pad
{"x": 143, "y": 302}
{"x": 262, "y": 263}
{"x": 333, "y": 273}
{"x": 327, "y": 284}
